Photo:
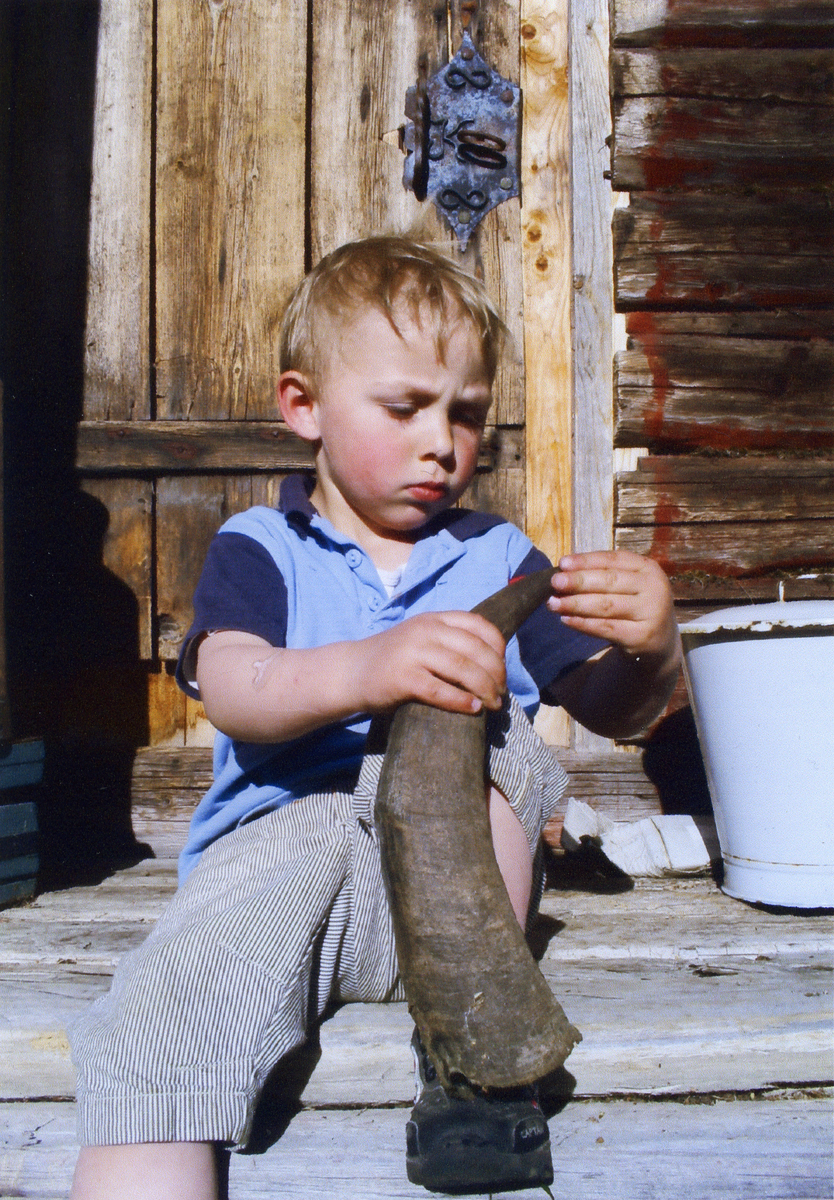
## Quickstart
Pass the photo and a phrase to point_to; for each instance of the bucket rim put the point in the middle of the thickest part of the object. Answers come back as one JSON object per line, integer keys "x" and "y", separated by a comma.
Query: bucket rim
{"x": 762, "y": 618}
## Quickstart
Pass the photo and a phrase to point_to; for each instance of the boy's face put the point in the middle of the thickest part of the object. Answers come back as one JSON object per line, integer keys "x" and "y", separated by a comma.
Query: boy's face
{"x": 400, "y": 430}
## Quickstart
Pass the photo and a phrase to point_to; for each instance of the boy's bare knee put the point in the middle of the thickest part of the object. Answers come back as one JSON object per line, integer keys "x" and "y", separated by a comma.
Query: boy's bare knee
{"x": 512, "y": 853}
{"x": 146, "y": 1171}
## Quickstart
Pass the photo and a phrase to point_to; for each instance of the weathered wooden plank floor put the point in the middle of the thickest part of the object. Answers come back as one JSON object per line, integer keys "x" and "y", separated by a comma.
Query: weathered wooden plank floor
{"x": 753, "y": 1150}
{"x": 681, "y": 994}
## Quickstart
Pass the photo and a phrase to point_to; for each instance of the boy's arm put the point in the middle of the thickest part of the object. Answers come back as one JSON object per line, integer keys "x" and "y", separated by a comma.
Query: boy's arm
{"x": 626, "y": 599}
{"x": 259, "y": 693}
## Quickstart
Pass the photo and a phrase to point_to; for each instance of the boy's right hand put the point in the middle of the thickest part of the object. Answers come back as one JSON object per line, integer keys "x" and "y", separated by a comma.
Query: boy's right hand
{"x": 450, "y": 660}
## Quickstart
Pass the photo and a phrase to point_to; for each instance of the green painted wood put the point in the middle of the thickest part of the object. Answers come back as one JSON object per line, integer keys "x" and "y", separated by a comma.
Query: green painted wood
{"x": 21, "y": 764}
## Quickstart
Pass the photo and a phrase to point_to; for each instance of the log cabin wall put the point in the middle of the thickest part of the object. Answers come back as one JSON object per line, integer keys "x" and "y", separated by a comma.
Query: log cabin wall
{"x": 722, "y": 119}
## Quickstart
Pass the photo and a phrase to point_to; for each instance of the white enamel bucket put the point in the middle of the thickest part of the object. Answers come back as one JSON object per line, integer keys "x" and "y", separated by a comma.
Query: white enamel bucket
{"x": 761, "y": 682}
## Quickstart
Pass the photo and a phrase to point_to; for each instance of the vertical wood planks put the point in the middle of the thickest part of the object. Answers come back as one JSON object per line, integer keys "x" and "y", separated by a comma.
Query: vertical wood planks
{"x": 498, "y": 262}
{"x": 257, "y": 172}
{"x": 127, "y": 544}
{"x": 546, "y": 265}
{"x": 593, "y": 299}
{"x": 116, "y": 351}
{"x": 166, "y": 709}
{"x": 592, "y": 204}
{"x": 229, "y": 200}
{"x": 501, "y": 489}
{"x": 117, "y": 337}
{"x": 545, "y": 223}
{"x": 190, "y": 510}
{"x": 230, "y": 204}
{"x": 363, "y": 59}
{"x": 566, "y": 246}
{"x": 494, "y": 252}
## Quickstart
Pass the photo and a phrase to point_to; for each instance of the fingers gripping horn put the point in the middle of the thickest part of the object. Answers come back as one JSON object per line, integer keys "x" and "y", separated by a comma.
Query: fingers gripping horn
{"x": 483, "y": 1008}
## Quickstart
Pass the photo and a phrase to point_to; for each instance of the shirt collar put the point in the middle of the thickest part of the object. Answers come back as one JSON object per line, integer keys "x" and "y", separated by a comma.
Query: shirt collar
{"x": 294, "y": 499}
{"x": 294, "y": 496}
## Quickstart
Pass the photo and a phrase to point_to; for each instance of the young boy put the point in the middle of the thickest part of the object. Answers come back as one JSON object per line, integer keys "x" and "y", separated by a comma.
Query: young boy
{"x": 348, "y": 600}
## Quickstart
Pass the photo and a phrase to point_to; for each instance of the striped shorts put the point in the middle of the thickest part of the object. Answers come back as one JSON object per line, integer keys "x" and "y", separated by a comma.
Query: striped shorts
{"x": 279, "y": 919}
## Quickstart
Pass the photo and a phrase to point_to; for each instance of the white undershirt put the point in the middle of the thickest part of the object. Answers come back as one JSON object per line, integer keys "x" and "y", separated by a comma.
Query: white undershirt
{"x": 390, "y": 580}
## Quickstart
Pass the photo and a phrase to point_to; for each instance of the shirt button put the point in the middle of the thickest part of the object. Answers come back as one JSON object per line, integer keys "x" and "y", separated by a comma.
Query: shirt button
{"x": 374, "y": 603}
{"x": 353, "y": 558}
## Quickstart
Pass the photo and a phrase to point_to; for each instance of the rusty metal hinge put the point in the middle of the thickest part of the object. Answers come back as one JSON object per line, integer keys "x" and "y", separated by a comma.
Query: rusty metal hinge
{"x": 462, "y": 140}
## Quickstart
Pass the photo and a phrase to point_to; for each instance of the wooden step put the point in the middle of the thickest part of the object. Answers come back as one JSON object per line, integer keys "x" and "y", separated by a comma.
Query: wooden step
{"x": 167, "y": 783}
{"x": 767, "y": 1149}
{"x": 687, "y": 1000}
{"x": 676, "y": 987}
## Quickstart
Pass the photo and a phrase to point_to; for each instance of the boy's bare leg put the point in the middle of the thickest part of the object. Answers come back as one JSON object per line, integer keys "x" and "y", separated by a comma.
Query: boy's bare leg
{"x": 512, "y": 853}
{"x": 147, "y": 1171}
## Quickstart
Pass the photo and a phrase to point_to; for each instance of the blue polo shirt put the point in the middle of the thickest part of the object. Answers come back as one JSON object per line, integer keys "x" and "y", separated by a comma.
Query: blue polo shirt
{"x": 289, "y": 577}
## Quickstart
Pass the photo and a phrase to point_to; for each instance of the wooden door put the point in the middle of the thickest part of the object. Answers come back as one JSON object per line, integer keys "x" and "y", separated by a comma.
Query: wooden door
{"x": 236, "y": 142}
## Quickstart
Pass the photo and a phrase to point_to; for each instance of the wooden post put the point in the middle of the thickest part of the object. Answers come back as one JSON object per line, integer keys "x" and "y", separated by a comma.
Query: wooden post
{"x": 593, "y": 300}
{"x": 566, "y": 246}
{"x": 546, "y": 262}
{"x": 592, "y": 206}
{"x": 546, "y": 257}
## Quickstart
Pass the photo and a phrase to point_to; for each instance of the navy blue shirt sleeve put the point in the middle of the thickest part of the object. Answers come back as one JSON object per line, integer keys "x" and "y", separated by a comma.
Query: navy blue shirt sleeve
{"x": 548, "y": 647}
{"x": 240, "y": 588}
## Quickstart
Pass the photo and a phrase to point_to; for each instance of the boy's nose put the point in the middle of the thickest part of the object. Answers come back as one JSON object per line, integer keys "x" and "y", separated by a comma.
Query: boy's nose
{"x": 440, "y": 442}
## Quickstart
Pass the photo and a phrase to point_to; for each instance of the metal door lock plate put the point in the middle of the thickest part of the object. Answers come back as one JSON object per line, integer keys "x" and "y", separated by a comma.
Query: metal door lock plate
{"x": 462, "y": 140}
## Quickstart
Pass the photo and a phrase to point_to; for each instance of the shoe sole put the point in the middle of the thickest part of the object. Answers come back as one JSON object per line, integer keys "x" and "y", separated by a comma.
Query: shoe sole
{"x": 464, "y": 1166}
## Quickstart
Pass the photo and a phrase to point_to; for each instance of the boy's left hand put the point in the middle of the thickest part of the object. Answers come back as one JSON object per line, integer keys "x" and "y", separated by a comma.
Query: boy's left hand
{"x": 620, "y": 596}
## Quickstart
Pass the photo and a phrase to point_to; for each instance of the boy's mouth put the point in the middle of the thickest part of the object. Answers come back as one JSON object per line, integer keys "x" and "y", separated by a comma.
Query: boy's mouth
{"x": 428, "y": 492}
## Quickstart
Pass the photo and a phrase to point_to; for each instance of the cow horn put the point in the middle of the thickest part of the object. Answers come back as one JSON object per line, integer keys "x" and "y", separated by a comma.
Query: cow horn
{"x": 483, "y": 1009}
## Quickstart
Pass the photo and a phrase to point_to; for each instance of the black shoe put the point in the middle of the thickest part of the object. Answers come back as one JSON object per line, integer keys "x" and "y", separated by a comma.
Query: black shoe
{"x": 474, "y": 1142}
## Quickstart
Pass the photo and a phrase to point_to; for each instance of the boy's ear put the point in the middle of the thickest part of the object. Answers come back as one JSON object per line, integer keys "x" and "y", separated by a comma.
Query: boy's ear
{"x": 297, "y": 401}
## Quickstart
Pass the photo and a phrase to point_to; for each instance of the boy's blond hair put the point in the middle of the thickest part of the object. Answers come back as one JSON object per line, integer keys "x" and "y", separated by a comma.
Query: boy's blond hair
{"x": 389, "y": 274}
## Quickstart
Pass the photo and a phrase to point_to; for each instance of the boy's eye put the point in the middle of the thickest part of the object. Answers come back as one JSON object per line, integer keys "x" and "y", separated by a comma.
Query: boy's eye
{"x": 400, "y": 411}
{"x": 472, "y": 418}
